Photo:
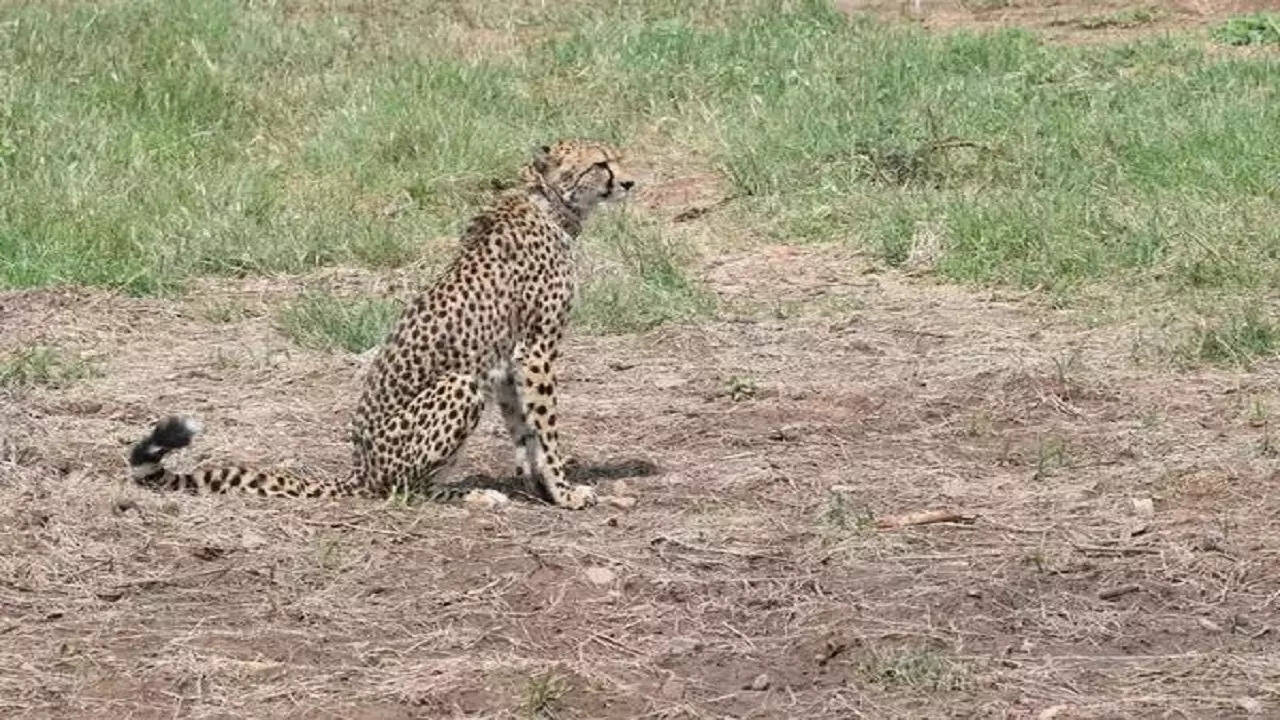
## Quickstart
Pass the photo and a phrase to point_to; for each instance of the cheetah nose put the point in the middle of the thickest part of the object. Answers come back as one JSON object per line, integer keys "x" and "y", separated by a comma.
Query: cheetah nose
{"x": 627, "y": 184}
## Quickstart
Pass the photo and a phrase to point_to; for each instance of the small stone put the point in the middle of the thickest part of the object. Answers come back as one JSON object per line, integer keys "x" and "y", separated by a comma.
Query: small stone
{"x": 600, "y": 575}
{"x": 759, "y": 683}
{"x": 1144, "y": 507}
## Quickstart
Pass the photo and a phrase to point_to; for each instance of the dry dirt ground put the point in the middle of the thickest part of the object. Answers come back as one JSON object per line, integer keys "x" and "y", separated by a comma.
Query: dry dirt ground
{"x": 1112, "y": 550}
{"x": 751, "y": 579}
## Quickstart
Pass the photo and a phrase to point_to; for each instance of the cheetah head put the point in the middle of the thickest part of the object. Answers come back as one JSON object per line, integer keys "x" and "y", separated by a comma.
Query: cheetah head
{"x": 583, "y": 173}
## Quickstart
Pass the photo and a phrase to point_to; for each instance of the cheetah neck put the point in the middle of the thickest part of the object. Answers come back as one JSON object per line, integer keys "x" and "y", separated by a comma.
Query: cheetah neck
{"x": 565, "y": 215}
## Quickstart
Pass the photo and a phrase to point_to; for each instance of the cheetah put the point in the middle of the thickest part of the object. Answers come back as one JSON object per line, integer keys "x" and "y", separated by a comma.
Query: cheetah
{"x": 490, "y": 327}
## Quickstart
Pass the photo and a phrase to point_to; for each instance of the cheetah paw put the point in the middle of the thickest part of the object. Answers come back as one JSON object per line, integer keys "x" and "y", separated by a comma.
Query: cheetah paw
{"x": 579, "y": 497}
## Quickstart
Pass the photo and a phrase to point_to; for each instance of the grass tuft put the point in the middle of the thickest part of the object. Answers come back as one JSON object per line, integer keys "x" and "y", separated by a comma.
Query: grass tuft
{"x": 843, "y": 514}
{"x": 42, "y": 366}
{"x": 922, "y": 670}
{"x": 1258, "y": 29}
{"x": 541, "y": 695}
{"x": 324, "y": 322}
{"x": 1232, "y": 339}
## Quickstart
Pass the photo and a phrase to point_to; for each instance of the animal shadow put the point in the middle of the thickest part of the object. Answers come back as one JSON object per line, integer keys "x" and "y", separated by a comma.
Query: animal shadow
{"x": 584, "y": 473}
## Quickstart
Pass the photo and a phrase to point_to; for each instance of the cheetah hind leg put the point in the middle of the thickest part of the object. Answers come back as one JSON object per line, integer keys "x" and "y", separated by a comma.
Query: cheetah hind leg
{"x": 439, "y": 421}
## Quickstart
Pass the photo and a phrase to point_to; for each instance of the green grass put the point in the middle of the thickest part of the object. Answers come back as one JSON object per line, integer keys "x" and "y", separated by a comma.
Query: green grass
{"x": 42, "y": 365}
{"x": 842, "y": 514}
{"x": 542, "y": 694}
{"x": 637, "y": 277}
{"x": 1233, "y": 338}
{"x": 918, "y": 669}
{"x": 145, "y": 142}
{"x": 1257, "y": 29}
{"x": 323, "y": 322}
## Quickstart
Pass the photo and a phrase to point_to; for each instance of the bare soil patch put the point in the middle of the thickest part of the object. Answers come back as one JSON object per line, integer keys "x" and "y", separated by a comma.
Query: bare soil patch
{"x": 1121, "y": 561}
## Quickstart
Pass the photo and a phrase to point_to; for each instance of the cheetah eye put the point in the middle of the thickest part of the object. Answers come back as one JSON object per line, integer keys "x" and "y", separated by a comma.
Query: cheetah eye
{"x": 603, "y": 165}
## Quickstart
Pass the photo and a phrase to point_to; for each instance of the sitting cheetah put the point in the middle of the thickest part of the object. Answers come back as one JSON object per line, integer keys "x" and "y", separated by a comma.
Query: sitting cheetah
{"x": 490, "y": 326}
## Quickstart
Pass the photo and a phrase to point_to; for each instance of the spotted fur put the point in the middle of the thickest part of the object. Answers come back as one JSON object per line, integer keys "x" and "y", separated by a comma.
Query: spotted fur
{"x": 490, "y": 327}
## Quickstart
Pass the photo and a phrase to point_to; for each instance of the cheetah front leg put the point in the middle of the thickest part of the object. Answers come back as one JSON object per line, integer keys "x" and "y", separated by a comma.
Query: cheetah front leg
{"x": 537, "y": 402}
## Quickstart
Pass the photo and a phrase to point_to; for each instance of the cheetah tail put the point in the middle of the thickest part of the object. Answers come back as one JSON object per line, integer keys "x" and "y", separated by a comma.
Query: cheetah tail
{"x": 145, "y": 460}
{"x": 174, "y": 433}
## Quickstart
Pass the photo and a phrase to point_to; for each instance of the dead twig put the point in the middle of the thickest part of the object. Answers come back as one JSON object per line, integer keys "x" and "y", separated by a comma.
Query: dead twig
{"x": 694, "y": 213}
{"x": 615, "y": 644}
{"x": 1114, "y": 551}
{"x": 924, "y": 517}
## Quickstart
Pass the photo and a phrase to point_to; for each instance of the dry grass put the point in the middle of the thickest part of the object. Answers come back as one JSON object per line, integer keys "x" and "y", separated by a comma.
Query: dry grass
{"x": 733, "y": 589}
